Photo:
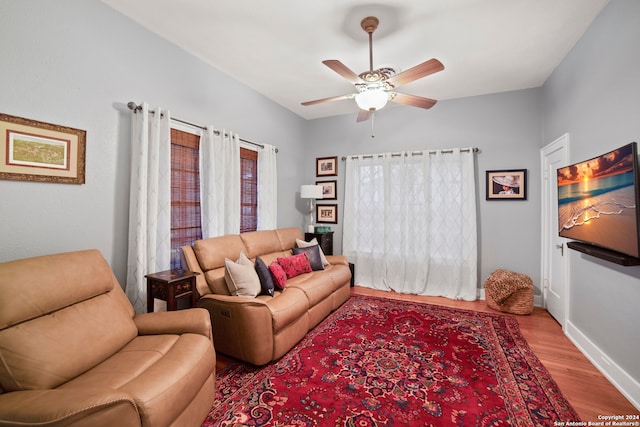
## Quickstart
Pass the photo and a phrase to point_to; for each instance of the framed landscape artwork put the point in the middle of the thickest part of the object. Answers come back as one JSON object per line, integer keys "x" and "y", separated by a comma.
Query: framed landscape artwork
{"x": 38, "y": 151}
{"x": 327, "y": 166}
{"x": 327, "y": 214}
{"x": 328, "y": 190}
{"x": 507, "y": 184}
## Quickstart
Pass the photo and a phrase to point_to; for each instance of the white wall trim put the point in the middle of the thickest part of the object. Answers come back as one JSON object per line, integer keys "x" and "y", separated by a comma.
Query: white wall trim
{"x": 628, "y": 386}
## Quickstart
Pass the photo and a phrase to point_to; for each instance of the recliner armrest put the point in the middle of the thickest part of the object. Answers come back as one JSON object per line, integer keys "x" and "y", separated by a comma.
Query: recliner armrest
{"x": 337, "y": 259}
{"x": 84, "y": 406}
{"x": 193, "y": 320}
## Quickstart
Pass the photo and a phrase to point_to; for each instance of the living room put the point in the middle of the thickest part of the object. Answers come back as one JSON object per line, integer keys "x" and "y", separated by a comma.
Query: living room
{"x": 78, "y": 63}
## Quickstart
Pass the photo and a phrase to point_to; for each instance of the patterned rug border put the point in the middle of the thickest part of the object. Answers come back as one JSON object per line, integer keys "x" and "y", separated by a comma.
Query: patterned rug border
{"x": 255, "y": 375}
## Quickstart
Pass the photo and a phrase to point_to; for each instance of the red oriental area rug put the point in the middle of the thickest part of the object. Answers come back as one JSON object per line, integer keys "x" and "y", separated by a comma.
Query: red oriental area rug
{"x": 382, "y": 362}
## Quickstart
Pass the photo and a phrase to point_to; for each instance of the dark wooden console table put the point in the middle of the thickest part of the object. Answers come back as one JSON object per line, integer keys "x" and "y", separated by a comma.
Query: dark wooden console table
{"x": 170, "y": 286}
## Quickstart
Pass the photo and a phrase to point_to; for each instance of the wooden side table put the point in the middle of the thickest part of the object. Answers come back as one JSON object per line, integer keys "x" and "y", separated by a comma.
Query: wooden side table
{"x": 325, "y": 240}
{"x": 171, "y": 285}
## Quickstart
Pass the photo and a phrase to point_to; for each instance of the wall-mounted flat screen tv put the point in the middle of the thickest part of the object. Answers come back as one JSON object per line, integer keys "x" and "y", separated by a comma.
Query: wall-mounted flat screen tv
{"x": 598, "y": 201}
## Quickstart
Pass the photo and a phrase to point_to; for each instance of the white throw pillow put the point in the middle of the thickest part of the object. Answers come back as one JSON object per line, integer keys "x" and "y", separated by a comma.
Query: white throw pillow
{"x": 241, "y": 277}
{"x": 313, "y": 242}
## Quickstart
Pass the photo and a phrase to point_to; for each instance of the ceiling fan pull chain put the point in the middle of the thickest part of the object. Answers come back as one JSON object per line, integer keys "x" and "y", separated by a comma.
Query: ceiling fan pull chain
{"x": 373, "y": 115}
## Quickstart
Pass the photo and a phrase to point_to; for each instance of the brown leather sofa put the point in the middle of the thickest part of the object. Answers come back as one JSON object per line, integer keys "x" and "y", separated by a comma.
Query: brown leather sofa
{"x": 261, "y": 329}
{"x": 73, "y": 352}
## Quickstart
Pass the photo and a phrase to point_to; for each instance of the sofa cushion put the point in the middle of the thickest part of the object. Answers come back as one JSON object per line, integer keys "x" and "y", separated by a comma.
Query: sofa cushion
{"x": 302, "y": 244}
{"x": 295, "y": 265}
{"x": 313, "y": 253}
{"x": 212, "y": 252}
{"x": 169, "y": 371}
{"x": 288, "y": 237}
{"x": 266, "y": 281}
{"x": 278, "y": 275}
{"x": 241, "y": 277}
{"x": 261, "y": 242}
{"x": 316, "y": 286}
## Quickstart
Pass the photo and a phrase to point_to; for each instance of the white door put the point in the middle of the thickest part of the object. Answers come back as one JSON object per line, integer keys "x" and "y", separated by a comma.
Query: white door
{"x": 555, "y": 257}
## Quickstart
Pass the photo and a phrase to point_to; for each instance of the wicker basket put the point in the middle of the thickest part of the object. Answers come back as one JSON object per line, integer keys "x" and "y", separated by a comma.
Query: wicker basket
{"x": 509, "y": 292}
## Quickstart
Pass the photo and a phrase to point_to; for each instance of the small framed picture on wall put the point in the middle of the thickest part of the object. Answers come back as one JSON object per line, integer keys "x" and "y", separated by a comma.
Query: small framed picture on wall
{"x": 327, "y": 166}
{"x": 327, "y": 214}
{"x": 329, "y": 191}
{"x": 510, "y": 184}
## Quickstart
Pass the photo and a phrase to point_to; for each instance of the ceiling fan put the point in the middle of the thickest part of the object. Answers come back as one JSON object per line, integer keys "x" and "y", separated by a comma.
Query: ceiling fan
{"x": 375, "y": 87}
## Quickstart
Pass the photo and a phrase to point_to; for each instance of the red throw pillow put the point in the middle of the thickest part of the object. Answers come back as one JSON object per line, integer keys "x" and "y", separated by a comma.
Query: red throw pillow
{"x": 295, "y": 265}
{"x": 278, "y": 275}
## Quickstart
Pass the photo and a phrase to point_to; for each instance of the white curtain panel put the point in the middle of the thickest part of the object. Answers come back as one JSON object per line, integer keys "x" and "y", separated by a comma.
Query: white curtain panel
{"x": 220, "y": 183}
{"x": 267, "y": 188}
{"x": 149, "y": 201}
{"x": 410, "y": 222}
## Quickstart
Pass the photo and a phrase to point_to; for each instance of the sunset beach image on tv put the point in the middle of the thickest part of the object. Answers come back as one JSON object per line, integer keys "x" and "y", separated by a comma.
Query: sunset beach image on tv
{"x": 597, "y": 201}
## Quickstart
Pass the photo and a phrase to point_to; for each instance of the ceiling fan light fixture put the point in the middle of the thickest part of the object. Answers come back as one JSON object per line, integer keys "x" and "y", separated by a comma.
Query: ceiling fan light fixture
{"x": 372, "y": 100}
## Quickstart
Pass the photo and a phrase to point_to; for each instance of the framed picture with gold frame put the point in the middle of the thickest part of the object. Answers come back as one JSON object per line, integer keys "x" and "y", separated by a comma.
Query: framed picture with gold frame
{"x": 39, "y": 151}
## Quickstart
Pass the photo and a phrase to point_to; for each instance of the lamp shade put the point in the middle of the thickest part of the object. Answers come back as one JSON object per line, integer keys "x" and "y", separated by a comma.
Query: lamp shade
{"x": 372, "y": 100}
{"x": 311, "y": 192}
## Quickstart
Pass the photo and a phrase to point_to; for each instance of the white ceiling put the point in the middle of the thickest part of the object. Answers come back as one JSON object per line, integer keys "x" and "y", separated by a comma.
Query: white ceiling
{"x": 276, "y": 47}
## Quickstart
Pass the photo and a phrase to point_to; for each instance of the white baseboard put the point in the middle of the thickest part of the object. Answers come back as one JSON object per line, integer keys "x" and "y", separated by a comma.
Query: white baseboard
{"x": 537, "y": 299}
{"x": 628, "y": 386}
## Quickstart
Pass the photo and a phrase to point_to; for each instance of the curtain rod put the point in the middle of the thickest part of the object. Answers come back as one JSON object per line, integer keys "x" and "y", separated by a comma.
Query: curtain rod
{"x": 135, "y": 108}
{"x": 416, "y": 153}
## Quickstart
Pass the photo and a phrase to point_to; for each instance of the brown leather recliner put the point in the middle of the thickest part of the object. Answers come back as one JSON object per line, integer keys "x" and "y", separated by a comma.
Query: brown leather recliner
{"x": 73, "y": 352}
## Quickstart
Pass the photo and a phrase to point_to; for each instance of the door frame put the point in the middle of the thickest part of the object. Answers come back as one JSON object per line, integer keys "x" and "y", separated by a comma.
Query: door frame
{"x": 561, "y": 143}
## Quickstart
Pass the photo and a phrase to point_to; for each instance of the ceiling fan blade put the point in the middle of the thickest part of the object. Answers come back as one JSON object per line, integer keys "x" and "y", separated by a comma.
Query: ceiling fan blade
{"x": 363, "y": 116}
{"x": 415, "y": 101}
{"x": 343, "y": 70}
{"x": 414, "y": 73}
{"x": 331, "y": 99}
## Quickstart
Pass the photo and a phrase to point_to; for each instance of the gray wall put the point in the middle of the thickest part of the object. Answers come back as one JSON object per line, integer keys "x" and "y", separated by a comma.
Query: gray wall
{"x": 77, "y": 63}
{"x": 506, "y": 129}
{"x": 595, "y": 96}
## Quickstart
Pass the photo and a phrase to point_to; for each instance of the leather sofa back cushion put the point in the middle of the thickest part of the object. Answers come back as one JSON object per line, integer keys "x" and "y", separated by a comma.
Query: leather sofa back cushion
{"x": 212, "y": 252}
{"x": 45, "y": 352}
{"x": 40, "y": 285}
{"x": 261, "y": 242}
{"x": 288, "y": 237}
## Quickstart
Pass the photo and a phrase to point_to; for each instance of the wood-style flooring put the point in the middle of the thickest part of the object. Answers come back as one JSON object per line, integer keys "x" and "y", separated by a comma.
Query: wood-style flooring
{"x": 588, "y": 391}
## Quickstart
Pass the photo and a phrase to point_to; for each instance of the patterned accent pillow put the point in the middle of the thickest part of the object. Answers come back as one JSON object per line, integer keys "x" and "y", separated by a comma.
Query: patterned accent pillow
{"x": 295, "y": 265}
{"x": 266, "y": 281}
{"x": 278, "y": 275}
{"x": 313, "y": 253}
{"x": 313, "y": 242}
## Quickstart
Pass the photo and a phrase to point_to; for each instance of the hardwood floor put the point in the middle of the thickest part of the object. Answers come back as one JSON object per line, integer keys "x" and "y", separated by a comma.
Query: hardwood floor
{"x": 588, "y": 391}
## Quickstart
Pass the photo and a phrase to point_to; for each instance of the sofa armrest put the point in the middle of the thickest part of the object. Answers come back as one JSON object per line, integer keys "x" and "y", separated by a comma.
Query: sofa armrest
{"x": 190, "y": 262}
{"x": 193, "y": 320}
{"x": 337, "y": 259}
{"x": 86, "y": 406}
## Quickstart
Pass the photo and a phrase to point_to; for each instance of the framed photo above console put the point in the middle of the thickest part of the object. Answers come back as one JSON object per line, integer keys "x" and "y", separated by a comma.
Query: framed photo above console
{"x": 327, "y": 166}
{"x": 327, "y": 214}
{"x": 329, "y": 191}
{"x": 509, "y": 184}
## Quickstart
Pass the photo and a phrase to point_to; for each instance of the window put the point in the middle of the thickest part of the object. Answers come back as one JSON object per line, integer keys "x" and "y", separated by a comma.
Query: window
{"x": 186, "y": 225}
{"x": 248, "y": 190}
{"x": 186, "y": 222}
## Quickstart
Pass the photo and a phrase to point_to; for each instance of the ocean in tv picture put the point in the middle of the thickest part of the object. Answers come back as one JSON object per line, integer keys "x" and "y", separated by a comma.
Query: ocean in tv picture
{"x": 601, "y": 211}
